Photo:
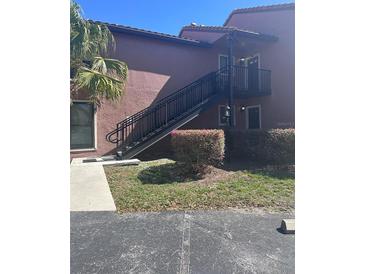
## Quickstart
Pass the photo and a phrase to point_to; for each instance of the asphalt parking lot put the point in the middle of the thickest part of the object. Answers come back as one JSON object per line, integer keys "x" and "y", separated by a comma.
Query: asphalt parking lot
{"x": 228, "y": 241}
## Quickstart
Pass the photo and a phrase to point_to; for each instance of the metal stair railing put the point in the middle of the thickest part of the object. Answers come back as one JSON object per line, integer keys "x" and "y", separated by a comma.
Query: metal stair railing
{"x": 167, "y": 111}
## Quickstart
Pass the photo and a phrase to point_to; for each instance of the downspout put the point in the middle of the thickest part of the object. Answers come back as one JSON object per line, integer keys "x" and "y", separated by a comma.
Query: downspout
{"x": 230, "y": 75}
{"x": 230, "y": 98}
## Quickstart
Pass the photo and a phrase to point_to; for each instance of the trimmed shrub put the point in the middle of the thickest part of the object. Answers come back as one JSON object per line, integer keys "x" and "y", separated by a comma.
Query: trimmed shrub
{"x": 198, "y": 149}
{"x": 276, "y": 146}
{"x": 279, "y": 146}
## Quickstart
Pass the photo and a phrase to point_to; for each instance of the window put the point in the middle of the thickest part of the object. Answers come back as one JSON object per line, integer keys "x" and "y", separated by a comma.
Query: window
{"x": 82, "y": 125}
{"x": 252, "y": 61}
{"x": 253, "y": 117}
{"x": 223, "y": 61}
{"x": 253, "y": 75}
{"x": 223, "y": 120}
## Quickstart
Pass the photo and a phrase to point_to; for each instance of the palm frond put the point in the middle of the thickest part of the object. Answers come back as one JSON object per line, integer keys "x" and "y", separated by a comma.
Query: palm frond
{"x": 99, "y": 85}
{"x": 87, "y": 39}
{"x": 112, "y": 67}
{"x": 104, "y": 78}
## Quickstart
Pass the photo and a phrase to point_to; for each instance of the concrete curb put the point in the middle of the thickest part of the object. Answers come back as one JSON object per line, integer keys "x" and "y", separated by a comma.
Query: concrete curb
{"x": 288, "y": 226}
{"x": 100, "y": 161}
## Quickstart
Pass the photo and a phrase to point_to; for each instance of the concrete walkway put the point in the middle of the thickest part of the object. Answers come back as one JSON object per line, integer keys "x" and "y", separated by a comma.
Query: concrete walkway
{"x": 229, "y": 241}
{"x": 89, "y": 187}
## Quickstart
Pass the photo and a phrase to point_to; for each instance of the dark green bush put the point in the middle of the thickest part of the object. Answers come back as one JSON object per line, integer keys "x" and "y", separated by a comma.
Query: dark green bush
{"x": 279, "y": 146}
{"x": 276, "y": 146}
{"x": 198, "y": 149}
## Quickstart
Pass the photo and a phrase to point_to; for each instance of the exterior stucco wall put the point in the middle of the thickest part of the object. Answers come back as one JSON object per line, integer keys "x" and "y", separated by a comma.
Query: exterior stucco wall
{"x": 210, "y": 118}
{"x": 156, "y": 69}
{"x": 279, "y": 57}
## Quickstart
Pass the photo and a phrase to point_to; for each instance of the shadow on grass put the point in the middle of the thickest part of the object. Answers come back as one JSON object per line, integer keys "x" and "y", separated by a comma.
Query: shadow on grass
{"x": 279, "y": 172}
{"x": 240, "y": 165}
{"x": 166, "y": 174}
{"x": 177, "y": 173}
{"x": 276, "y": 171}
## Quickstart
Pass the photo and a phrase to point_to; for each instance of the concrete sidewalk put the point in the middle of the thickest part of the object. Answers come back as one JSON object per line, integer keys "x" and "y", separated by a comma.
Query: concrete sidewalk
{"x": 222, "y": 242}
{"x": 89, "y": 188}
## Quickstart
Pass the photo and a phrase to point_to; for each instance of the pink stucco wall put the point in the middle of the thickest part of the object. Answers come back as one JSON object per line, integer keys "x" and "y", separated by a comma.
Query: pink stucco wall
{"x": 277, "y": 110}
{"x": 279, "y": 57}
{"x": 156, "y": 69}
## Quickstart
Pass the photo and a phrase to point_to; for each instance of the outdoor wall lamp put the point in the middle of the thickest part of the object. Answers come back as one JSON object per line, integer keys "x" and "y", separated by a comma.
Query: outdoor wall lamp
{"x": 227, "y": 112}
{"x": 243, "y": 108}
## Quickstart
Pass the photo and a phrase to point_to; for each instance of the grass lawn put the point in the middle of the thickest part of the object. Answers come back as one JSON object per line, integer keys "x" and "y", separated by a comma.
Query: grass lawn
{"x": 158, "y": 185}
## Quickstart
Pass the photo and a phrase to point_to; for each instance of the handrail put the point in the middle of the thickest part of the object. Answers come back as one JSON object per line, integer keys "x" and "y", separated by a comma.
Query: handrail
{"x": 161, "y": 101}
{"x": 147, "y": 122}
{"x": 191, "y": 84}
{"x": 158, "y": 104}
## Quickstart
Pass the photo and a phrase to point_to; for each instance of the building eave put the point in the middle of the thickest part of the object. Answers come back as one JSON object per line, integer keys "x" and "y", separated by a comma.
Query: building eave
{"x": 114, "y": 28}
{"x": 277, "y": 7}
{"x": 223, "y": 29}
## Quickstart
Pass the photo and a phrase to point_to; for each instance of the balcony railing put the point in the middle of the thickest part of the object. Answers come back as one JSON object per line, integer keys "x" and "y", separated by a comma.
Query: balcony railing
{"x": 251, "y": 81}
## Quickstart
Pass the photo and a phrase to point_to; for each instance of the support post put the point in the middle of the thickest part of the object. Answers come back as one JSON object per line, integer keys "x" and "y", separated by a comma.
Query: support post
{"x": 230, "y": 76}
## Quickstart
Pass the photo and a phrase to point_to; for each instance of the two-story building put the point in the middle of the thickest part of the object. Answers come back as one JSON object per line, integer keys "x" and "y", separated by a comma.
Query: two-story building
{"x": 238, "y": 76}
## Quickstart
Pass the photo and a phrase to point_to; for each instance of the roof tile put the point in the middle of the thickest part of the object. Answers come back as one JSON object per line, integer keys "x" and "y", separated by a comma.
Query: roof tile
{"x": 152, "y": 34}
{"x": 265, "y": 8}
{"x": 226, "y": 29}
{"x": 282, "y": 6}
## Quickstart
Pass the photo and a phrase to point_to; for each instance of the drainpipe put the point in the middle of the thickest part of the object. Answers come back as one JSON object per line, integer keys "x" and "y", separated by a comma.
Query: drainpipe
{"x": 230, "y": 75}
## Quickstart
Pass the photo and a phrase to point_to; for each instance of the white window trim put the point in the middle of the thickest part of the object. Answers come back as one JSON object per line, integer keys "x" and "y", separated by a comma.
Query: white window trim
{"x": 219, "y": 115}
{"x": 259, "y": 67}
{"x": 95, "y": 130}
{"x": 225, "y": 55}
{"x": 255, "y": 55}
{"x": 247, "y": 114}
{"x": 219, "y": 59}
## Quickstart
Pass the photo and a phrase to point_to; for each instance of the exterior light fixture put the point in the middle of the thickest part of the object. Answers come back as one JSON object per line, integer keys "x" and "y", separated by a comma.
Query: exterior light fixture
{"x": 243, "y": 108}
{"x": 242, "y": 61}
{"x": 227, "y": 112}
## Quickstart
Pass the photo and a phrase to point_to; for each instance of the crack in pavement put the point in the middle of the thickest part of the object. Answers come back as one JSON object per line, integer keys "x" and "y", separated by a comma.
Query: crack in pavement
{"x": 185, "y": 245}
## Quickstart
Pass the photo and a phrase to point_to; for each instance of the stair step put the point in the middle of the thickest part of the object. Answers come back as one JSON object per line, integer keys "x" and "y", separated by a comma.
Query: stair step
{"x": 143, "y": 142}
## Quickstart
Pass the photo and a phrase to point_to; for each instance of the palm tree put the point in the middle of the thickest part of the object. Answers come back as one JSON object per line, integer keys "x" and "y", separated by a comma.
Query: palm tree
{"x": 89, "y": 42}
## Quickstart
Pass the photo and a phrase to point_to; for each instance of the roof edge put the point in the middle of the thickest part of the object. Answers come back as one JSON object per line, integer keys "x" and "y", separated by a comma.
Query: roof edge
{"x": 284, "y": 6}
{"x": 153, "y": 35}
{"x": 223, "y": 29}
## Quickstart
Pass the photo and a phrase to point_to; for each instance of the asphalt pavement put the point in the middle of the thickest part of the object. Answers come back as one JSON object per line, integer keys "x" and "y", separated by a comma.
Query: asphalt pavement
{"x": 229, "y": 241}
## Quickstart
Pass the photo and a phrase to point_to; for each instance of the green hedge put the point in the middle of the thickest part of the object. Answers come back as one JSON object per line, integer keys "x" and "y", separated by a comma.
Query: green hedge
{"x": 198, "y": 148}
{"x": 276, "y": 146}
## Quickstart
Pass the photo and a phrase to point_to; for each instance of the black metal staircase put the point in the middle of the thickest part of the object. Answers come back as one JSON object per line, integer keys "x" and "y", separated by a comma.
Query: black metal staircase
{"x": 141, "y": 130}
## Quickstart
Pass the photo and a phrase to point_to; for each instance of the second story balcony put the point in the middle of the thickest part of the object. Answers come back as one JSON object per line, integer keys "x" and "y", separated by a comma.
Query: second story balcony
{"x": 247, "y": 82}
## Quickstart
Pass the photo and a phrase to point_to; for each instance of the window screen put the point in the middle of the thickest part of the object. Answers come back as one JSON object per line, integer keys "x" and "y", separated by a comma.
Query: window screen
{"x": 82, "y": 125}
